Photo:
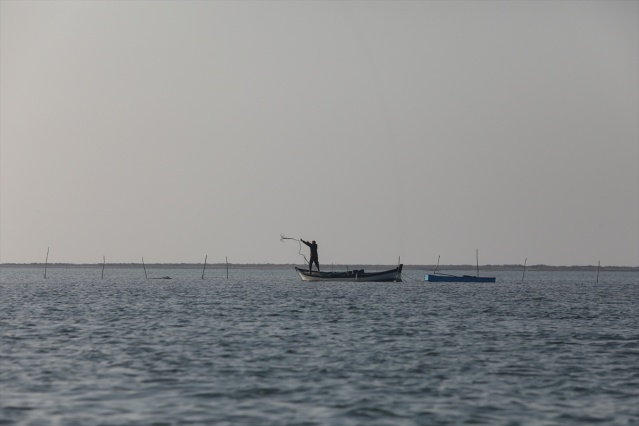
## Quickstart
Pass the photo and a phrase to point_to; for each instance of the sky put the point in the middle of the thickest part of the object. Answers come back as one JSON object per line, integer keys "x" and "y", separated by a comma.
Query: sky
{"x": 175, "y": 130}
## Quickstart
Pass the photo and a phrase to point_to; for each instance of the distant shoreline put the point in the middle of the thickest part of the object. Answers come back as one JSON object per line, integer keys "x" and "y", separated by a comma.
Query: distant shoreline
{"x": 334, "y": 266}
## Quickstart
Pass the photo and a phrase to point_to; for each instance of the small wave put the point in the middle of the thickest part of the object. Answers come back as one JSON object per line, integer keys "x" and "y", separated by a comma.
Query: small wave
{"x": 209, "y": 395}
{"x": 371, "y": 413}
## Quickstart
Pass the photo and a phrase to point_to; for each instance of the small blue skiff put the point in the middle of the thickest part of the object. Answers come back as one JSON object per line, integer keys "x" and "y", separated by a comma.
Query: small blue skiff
{"x": 445, "y": 278}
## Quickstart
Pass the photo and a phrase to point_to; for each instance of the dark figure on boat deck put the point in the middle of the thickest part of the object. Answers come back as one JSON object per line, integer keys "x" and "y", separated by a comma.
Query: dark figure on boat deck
{"x": 314, "y": 258}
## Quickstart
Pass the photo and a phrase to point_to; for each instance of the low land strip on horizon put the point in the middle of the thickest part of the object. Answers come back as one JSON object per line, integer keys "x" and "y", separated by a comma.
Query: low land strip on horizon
{"x": 430, "y": 268}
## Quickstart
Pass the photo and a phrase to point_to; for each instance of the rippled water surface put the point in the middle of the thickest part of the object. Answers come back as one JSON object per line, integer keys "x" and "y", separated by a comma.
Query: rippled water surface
{"x": 265, "y": 348}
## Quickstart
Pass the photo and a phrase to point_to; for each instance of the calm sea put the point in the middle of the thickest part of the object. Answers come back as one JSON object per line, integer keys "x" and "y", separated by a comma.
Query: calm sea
{"x": 264, "y": 348}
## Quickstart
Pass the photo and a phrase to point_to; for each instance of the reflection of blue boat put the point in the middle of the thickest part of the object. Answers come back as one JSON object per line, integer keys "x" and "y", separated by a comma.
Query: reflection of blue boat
{"x": 445, "y": 278}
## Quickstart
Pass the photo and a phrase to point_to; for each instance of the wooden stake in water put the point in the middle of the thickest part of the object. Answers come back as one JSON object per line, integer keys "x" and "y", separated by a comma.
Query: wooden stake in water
{"x": 46, "y": 263}
{"x": 227, "y": 267}
{"x": 103, "y": 265}
{"x": 477, "y": 257}
{"x": 203, "y": 269}
{"x": 598, "y": 267}
{"x": 144, "y": 266}
{"x": 523, "y": 274}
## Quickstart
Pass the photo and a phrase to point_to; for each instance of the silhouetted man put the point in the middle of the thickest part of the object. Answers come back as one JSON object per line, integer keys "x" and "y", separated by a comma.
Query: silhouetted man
{"x": 314, "y": 258}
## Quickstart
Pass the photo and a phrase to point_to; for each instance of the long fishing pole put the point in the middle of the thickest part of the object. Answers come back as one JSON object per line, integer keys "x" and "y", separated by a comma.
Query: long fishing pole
{"x": 282, "y": 238}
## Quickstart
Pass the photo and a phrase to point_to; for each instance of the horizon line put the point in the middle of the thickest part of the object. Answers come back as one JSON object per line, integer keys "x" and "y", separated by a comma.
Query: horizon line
{"x": 223, "y": 264}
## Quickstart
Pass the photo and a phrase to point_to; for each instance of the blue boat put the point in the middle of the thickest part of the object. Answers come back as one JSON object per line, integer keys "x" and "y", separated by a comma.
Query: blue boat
{"x": 445, "y": 278}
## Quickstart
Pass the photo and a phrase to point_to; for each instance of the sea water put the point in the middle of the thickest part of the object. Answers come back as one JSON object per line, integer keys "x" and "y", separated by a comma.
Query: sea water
{"x": 264, "y": 348}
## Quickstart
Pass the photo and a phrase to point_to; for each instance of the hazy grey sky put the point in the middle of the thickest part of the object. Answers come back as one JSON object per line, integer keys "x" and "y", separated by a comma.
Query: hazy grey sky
{"x": 175, "y": 130}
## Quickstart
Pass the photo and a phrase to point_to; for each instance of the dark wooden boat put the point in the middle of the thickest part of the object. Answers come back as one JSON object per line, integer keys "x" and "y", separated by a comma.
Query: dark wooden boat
{"x": 392, "y": 275}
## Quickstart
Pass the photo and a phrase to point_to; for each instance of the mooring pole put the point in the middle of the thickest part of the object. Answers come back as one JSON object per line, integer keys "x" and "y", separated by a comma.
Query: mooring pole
{"x": 523, "y": 274}
{"x": 103, "y": 265}
{"x": 477, "y": 257}
{"x": 227, "y": 267}
{"x": 46, "y": 263}
{"x": 144, "y": 266}
{"x": 203, "y": 269}
{"x": 598, "y": 267}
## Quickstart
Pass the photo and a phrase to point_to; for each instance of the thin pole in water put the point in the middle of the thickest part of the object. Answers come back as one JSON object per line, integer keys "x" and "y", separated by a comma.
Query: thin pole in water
{"x": 46, "y": 263}
{"x": 203, "y": 269}
{"x": 477, "y": 257}
{"x": 227, "y": 267}
{"x": 523, "y": 274}
{"x": 598, "y": 267}
{"x": 144, "y": 266}
{"x": 103, "y": 265}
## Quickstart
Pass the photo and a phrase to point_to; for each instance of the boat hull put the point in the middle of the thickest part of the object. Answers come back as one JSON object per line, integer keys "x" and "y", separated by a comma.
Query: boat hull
{"x": 392, "y": 275}
{"x": 458, "y": 279}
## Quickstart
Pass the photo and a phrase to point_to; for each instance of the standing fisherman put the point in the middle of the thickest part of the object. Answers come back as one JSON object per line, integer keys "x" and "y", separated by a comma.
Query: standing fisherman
{"x": 314, "y": 258}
